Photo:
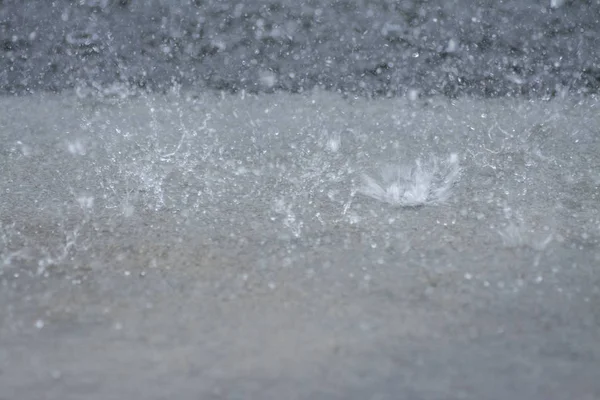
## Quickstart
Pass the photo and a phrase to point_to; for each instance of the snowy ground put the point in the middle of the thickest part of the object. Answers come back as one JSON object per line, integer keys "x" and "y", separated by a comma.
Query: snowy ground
{"x": 299, "y": 246}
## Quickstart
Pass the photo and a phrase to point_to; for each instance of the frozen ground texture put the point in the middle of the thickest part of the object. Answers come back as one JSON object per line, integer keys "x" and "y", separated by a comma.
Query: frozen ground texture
{"x": 375, "y": 47}
{"x": 229, "y": 247}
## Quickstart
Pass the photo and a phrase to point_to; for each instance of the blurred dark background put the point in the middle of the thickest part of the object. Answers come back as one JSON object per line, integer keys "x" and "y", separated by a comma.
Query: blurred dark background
{"x": 373, "y": 48}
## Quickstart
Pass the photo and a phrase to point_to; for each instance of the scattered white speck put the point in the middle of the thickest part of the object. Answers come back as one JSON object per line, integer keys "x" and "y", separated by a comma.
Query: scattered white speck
{"x": 85, "y": 202}
{"x": 25, "y": 149}
{"x": 333, "y": 143}
{"x": 76, "y": 148}
{"x": 515, "y": 79}
{"x": 272, "y": 285}
{"x": 539, "y": 279}
{"x": 237, "y": 11}
{"x": 452, "y": 46}
{"x": 268, "y": 78}
{"x": 39, "y": 324}
{"x": 127, "y": 209}
{"x": 468, "y": 276}
{"x": 413, "y": 94}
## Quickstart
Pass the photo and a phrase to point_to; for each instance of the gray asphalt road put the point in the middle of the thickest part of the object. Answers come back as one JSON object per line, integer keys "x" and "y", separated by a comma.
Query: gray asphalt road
{"x": 229, "y": 247}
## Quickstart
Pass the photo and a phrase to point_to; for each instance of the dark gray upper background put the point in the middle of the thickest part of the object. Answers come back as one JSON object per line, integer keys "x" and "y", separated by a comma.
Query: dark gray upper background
{"x": 379, "y": 47}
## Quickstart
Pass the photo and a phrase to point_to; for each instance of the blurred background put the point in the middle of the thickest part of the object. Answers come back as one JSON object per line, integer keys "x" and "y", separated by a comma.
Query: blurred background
{"x": 372, "y": 48}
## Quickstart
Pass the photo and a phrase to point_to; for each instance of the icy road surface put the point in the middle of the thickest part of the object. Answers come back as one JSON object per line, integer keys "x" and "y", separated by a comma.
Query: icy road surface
{"x": 299, "y": 247}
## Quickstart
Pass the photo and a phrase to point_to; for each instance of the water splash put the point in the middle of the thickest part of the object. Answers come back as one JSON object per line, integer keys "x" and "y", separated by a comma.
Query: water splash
{"x": 425, "y": 183}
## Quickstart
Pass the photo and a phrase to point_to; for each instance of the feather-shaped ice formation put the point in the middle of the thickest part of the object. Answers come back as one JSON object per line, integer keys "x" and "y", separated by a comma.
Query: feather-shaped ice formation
{"x": 429, "y": 182}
